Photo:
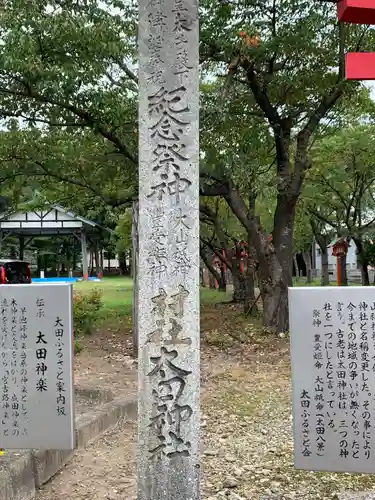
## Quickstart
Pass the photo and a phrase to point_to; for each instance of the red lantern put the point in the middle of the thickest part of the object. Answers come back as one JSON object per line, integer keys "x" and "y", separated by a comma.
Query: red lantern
{"x": 340, "y": 248}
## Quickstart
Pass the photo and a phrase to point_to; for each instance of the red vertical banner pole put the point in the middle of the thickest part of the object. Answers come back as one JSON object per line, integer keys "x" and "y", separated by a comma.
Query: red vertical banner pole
{"x": 338, "y": 270}
{"x": 214, "y": 265}
{"x": 242, "y": 266}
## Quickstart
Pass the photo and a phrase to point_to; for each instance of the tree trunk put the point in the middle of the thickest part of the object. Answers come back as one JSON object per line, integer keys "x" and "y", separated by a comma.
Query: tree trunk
{"x": 362, "y": 261}
{"x": 274, "y": 291}
{"x": 207, "y": 259}
{"x": 364, "y": 274}
{"x": 223, "y": 279}
{"x": 224, "y": 263}
{"x": 277, "y": 259}
{"x": 39, "y": 264}
{"x": 126, "y": 267}
{"x": 135, "y": 254}
{"x": 323, "y": 241}
{"x": 68, "y": 258}
{"x": 307, "y": 259}
{"x": 97, "y": 260}
{"x": 239, "y": 287}
{"x": 274, "y": 258}
{"x": 122, "y": 263}
{"x": 325, "y": 267}
{"x": 296, "y": 267}
{"x": 250, "y": 307}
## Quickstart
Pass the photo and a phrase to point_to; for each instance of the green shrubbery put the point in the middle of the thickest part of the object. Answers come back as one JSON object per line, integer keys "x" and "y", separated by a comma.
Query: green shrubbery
{"x": 86, "y": 308}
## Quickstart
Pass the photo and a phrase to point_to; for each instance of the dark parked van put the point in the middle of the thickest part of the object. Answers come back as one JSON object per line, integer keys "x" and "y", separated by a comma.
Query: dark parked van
{"x": 14, "y": 272}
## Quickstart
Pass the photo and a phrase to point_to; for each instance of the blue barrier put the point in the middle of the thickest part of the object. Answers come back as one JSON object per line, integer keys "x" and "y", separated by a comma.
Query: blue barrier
{"x": 59, "y": 279}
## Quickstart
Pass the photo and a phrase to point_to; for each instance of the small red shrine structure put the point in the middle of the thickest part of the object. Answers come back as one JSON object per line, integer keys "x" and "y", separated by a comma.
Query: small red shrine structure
{"x": 358, "y": 65}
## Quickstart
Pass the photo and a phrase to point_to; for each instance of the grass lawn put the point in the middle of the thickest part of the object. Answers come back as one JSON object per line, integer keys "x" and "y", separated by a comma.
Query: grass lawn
{"x": 117, "y": 295}
{"x": 316, "y": 282}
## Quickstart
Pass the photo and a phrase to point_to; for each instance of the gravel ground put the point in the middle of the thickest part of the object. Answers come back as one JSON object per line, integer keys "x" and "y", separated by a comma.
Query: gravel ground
{"x": 246, "y": 422}
{"x": 105, "y": 470}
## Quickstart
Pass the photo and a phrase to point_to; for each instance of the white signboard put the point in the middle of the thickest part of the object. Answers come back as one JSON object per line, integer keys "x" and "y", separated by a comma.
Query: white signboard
{"x": 36, "y": 388}
{"x": 333, "y": 374}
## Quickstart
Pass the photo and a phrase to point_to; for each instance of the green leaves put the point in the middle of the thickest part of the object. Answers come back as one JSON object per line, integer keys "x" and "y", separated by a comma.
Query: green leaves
{"x": 58, "y": 60}
{"x": 342, "y": 181}
{"x": 66, "y": 166}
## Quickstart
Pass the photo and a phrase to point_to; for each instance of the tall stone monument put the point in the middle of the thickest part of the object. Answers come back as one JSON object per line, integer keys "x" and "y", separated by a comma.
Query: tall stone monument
{"x": 168, "y": 280}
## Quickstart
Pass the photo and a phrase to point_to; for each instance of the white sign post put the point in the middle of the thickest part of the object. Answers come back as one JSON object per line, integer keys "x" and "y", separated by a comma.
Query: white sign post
{"x": 36, "y": 373}
{"x": 333, "y": 374}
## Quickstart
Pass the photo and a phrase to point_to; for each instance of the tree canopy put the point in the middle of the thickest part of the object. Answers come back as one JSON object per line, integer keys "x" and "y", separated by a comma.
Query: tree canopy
{"x": 273, "y": 101}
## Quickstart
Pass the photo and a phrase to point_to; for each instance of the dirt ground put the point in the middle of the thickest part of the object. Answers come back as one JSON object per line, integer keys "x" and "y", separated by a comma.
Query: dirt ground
{"x": 246, "y": 421}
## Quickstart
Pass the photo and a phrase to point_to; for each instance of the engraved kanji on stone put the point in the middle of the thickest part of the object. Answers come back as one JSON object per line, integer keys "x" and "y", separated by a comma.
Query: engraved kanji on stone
{"x": 159, "y": 302}
{"x": 178, "y": 301}
{"x": 157, "y": 19}
{"x": 168, "y": 157}
{"x": 175, "y": 188}
{"x": 157, "y": 263}
{"x": 178, "y": 186}
{"x": 167, "y": 106}
{"x": 174, "y": 333}
{"x": 165, "y": 360}
{"x": 181, "y": 65}
{"x": 166, "y": 101}
{"x": 156, "y": 335}
{"x": 181, "y": 260}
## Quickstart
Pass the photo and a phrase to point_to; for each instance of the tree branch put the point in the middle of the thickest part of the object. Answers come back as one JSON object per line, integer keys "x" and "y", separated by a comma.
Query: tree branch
{"x": 342, "y": 199}
{"x": 112, "y": 201}
{"x": 7, "y": 114}
{"x": 205, "y": 209}
{"x": 320, "y": 217}
{"x": 219, "y": 189}
{"x": 217, "y": 252}
{"x": 129, "y": 73}
{"x": 260, "y": 95}
{"x": 106, "y": 132}
{"x": 208, "y": 263}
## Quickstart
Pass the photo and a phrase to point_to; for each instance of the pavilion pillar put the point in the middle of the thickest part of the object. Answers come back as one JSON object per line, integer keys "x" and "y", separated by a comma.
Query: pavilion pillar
{"x": 85, "y": 264}
{"x": 22, "y": 246}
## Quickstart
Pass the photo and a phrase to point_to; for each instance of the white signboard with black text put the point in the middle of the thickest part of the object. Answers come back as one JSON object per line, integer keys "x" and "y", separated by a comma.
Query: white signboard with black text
{"x": 333, "y": 374}
{"x": 36, "y": 373}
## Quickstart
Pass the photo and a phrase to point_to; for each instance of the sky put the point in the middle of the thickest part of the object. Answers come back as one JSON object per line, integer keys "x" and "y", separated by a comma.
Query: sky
{"x": 371, "y": 85}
